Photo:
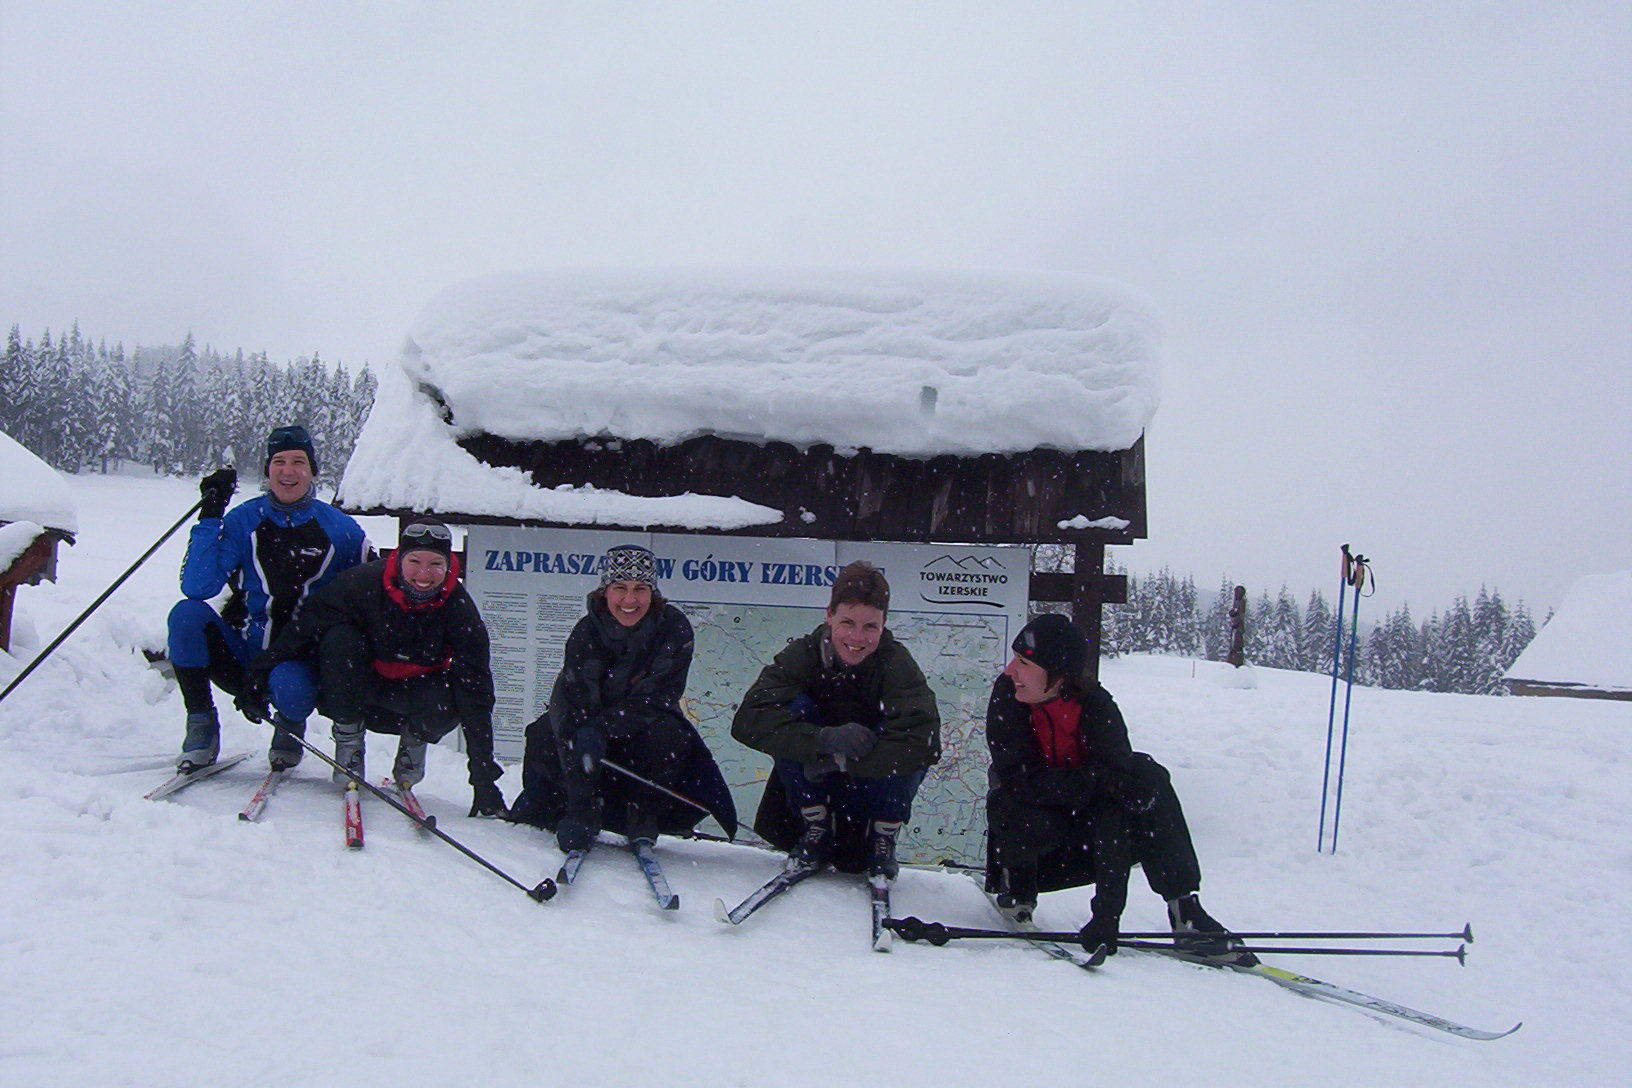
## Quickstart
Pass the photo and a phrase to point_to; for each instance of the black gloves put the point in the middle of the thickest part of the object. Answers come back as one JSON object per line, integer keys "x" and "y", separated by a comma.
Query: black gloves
{"x": 589, "y": 745}
{"x": 1100, "y": 930}
{"x": 486, "y": 800}
{"x": 215, "y": 489}
{"x": 254, "y": 698}
{"x": 852, "y": 740}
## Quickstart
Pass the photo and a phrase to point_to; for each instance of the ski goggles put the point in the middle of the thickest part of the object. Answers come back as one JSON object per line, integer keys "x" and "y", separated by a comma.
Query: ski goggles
{"x": 423, "y": 533}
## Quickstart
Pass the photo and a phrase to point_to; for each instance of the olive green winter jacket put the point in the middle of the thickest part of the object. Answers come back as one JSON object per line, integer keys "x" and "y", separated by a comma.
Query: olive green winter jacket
{"x": 886, "y": 692}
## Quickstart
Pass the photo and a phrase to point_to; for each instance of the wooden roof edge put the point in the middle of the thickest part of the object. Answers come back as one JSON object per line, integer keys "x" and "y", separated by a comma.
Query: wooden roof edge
{"x": 775, "y": 529}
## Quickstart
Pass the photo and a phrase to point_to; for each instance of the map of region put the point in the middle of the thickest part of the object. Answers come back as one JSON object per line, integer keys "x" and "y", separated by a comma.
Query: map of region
{"x": 960, "y": 654}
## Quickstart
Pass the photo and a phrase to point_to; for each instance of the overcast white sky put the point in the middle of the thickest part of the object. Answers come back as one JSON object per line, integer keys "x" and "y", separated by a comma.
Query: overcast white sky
{"x": 1390, "y": 242}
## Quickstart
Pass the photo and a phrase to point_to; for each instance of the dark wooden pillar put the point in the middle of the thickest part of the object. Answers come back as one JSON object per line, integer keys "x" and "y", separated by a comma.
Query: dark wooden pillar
{"x": 1238, "y": 629}
{"x": 1087, "y": 589}
{"x": 1092, "y": 590}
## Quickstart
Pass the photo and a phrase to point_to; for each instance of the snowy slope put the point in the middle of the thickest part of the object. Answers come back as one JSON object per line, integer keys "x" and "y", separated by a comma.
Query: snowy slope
{"x": 165, "y": 944}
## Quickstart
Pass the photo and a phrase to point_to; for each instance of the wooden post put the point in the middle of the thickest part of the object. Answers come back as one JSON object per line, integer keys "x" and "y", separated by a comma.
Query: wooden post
{"x": 35, "y": 563}
{"x": 1238, "y": 628}
{"x": 1092, "y": 589}
{"x": 8, "y": 596}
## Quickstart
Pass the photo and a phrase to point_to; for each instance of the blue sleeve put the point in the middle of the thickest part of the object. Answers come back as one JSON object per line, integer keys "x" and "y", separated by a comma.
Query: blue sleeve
{"x": 215, "y": 548}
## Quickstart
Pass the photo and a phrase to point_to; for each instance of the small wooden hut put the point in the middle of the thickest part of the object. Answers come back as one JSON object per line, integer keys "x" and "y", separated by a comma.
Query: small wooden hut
{"x": 37, "y": 514}
{"x": 945, "y": 407}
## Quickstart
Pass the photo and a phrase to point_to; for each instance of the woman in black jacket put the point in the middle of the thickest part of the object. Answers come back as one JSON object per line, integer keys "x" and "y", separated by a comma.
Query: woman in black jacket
{"x": 402, "y": 649}
{"x": 1071, "y": 803}
{"x": 617, "y": 697}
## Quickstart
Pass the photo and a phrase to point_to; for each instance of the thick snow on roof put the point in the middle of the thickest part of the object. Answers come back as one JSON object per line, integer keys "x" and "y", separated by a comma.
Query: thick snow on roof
{"x": 15, "y": 538}
{"x": 31, "y": 490}
{"x": 914, "y": 363}
{"x": 407, "y": 459}
{"x": 1589, "y": 639}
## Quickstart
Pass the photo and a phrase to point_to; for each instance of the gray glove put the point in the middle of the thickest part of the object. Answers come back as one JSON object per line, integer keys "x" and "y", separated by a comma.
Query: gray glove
{"x": 852, "y": 740}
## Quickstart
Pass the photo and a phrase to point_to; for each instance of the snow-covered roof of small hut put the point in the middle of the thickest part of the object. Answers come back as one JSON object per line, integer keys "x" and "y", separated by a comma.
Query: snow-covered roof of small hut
{"x": 909, "y": 363}
{"x": 31, "y": 490}
{"x": 1588, "y": 641}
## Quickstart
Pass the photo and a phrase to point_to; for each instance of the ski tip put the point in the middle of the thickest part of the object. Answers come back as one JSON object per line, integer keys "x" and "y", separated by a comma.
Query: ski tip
{"x": 884, "y": 942}
{"x": 1097, "y": 957}
{"x": 671, "y": 903}
{"x": 722, "y": 912}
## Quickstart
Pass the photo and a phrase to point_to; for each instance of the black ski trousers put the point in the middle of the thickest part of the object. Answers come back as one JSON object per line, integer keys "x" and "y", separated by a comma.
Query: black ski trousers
{"x": 1099, "y": 843}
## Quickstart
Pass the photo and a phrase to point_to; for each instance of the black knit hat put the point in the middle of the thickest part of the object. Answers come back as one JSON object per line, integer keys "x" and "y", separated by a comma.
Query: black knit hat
{"x": 284, "y": 439}
{"x": 425, "y": 535}
{"x": 1054, "y": 642}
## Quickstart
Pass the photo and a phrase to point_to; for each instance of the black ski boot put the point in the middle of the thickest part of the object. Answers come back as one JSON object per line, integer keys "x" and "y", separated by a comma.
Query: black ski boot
{"x": 1018, "y": 899}
{"x": 1200, "y": 934}
{"x": 881, "y": 849}
{"x": 811, "y": 851}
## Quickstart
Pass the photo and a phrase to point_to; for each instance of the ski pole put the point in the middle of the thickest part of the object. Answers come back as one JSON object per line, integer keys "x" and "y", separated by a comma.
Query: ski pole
{"x": 83, "y": 616}
{"x": 730, "y": 828}
{"x": 1464, "y": 934}
{"x": 1331, "y": 710}
{"x": 1459, "y": 953}
{"x": 914, "y": 929}
{"x": 544, "y": 890}
{"x": 627, "y": 773}
{"x": 1358, "y": 580}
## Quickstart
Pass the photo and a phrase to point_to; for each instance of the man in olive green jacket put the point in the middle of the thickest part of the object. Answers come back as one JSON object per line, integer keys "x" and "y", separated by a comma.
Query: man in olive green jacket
{"x": 852, "y": 726}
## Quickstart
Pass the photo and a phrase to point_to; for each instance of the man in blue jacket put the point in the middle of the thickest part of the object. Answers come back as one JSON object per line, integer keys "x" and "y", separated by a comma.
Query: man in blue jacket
{"x": 273, "y": 550}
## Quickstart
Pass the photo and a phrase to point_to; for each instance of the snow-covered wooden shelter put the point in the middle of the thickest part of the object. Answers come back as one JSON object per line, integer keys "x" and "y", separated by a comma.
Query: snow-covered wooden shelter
{"x": 839, "y": 405}
{"x": 37, "y": 513}
{"x": 1585, "y": 649}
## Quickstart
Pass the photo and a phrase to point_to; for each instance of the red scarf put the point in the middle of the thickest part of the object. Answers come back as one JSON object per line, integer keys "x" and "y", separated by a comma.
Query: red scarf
{"x": 1054, "y": 724}
{"x": 402, "y": 670}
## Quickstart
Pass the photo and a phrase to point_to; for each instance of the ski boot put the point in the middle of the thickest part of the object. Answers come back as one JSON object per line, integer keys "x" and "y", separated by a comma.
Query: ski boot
{"x": 409, "y": 767}
{"x": 286, "y": 752}
{"x": 202, "y": 744}
{"x": 348, "y": 750}
{"x": 811, "y": 850}
{"x": 881, "y": 849}
{"x": 1200, "y": 934}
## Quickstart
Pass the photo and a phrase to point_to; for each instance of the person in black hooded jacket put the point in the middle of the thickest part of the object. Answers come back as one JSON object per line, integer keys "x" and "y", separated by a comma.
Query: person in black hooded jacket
{"x": 402, "y": 649}
{"x": 617, "y": 698}
{"x": 1070, "y": 802}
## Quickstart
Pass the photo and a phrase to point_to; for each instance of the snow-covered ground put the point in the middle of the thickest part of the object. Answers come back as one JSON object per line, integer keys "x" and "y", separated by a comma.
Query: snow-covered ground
{"x": 170, "y": 944}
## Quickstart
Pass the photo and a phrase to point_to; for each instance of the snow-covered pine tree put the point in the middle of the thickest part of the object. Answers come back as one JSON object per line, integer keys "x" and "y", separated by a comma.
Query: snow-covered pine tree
{"x": 1520, "y": 630}
{"x": 1215, "y": 627}
{"x": 1489, "y": 635}
{"x": 1319, "y": 634}
{"x": 158, "y": 420}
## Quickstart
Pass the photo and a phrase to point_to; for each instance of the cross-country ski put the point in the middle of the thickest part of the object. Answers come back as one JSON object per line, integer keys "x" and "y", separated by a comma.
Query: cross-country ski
{"x": 263, "y": 794}
{"x": 182, "y": 779}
